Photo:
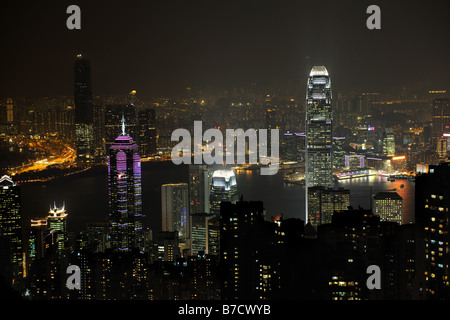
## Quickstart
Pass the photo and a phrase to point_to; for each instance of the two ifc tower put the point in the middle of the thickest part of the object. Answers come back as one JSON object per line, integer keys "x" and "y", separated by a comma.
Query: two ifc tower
{"x": 319, "y": 138}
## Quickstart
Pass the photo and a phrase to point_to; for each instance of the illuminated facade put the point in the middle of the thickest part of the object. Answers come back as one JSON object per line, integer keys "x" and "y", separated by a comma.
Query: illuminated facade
{"x": 57, "y": 225}
{"x": 199, "y": 233}
{"x": 318, "y": 142}
{"x": 432, "y": 207}
{"x": 199, "y": 188}
{"x": 125, "y": 194}
{"x": 36, "y": 238}
{"x": 322, "y": 202}
{"x": 389, "y": 206}
{"x": 174, "y": 209}
{"x": 223, "y": 188}
{"x": 388, "y": 143}
{"x": 440, "y": 117}
{"x": 10, "y": 230}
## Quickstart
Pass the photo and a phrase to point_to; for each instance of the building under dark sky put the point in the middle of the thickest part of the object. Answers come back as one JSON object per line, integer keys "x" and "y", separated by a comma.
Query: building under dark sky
{"x": 161, "y": 47}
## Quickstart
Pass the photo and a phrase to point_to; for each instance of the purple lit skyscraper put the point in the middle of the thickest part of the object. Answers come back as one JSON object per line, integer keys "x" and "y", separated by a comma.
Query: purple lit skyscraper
{"x": 125, "y": 196}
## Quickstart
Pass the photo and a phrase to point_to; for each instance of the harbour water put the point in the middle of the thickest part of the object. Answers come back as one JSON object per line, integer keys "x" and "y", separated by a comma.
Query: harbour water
{"x": 86, "y": 194}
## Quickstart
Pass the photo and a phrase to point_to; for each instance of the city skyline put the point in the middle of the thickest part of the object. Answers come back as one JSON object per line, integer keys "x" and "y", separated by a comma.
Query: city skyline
{"x": 359, "y": 120}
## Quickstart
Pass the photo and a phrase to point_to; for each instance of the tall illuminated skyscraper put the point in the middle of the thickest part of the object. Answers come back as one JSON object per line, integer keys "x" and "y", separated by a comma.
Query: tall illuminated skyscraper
{"x": 84, "y": 110}
{"x": 11, "y": 258}
{"x": 57, "y": 224}
{"x": 318, "y": 142}
{"x": 125, "y": 195}
{"x": 223, "y": 188}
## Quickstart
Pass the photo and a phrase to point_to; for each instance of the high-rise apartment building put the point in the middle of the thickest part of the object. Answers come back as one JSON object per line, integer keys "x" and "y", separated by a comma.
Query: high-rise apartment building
{"x": 432, "y": 206}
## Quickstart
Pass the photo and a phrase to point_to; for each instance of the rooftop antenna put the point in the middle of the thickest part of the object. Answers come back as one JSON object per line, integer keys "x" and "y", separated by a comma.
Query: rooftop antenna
{"x": 123, "y": 125}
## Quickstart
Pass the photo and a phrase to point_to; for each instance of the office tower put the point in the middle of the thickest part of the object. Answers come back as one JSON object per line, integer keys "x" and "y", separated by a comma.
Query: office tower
{"x": 338, "y": 152}
{"x": 294, "y": 142}
{"x": 11, "y": 258}
{"x": 168, "y": 245}
{"x": 388, "y": 143}
{"x": 57, "y": 225}
{"x": 440, "y": 117}
{"x": 441, "y": 147}
{"x": 125, "y": 195}
{"x": 99, "y": 133}
{"x": 242, "y": 234}
{"x": 199, "y": 188}
{"x": 389, "y": 206}
{"x": 175, "y": 210}
{"x": 84, "y": 110}
{"x": 318, "y": 142}
{"x": 223, "y": 188}
{"x": 11, "y": 127}
{"x": 97, "y": 235}
{"x": 198, "y": 223}
{"x": 432, "y": 205}
{"x": 213, "y": 235}
{"x": 36, "y": 238}
{"x": 147, "y": 132}
{"x": 323, "y": 202}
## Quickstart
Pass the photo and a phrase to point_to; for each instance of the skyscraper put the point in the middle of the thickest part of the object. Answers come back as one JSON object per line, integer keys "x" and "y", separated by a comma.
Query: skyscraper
{"x": 57, "y": 225}
{"x": 11, "y": 266}
{"x": 389, "y": 206}
{"x": 199, "y": 188}
{"x": 223, "y": 188}
{"x": 440, "y": 117}
{"x": 432, "y": 206}
{"x": 125, "y": 198}
{"x": 175, "y": 210}
{"x": 147, "y": 132}
{"x": 318, "y": 142}
{"x": 323, "y": 202}
{"x": 241, "y": 242}
{"x": 84, "y": 110}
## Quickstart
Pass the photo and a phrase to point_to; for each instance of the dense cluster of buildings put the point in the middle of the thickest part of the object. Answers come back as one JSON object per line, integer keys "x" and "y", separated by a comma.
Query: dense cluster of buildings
{"x": 215, "y": 245}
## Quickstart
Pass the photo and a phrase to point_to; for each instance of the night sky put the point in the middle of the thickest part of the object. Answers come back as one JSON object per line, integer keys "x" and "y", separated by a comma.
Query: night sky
{"x": 161, "y": 47}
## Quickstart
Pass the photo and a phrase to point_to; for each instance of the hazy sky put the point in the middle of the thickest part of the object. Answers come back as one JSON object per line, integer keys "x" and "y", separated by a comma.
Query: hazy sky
{"x": 160, "y": 47}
